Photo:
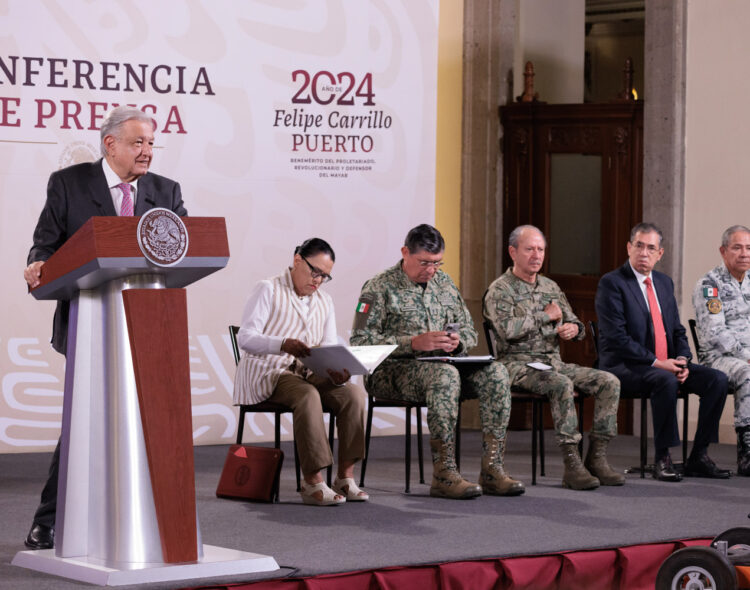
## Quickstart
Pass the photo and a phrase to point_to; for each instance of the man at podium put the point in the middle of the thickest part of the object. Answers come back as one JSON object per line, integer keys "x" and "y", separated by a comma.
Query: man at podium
{"x": 117, "y": 184}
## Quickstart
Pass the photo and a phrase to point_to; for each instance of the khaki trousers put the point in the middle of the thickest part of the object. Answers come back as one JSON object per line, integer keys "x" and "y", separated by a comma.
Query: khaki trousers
{"x": 307, "y": 397}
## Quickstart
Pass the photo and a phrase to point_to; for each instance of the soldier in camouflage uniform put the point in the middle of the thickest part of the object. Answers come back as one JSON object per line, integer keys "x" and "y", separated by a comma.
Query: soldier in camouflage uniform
{"x": 722, "y": 313}
{"x": 411, "y": 305}
{"x": 529, "y": 315}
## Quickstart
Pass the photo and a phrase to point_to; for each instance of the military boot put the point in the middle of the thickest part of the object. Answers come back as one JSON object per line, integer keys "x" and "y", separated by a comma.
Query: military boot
{"x": 576, "y": 477}
{"x": 743, "y": 450}
{"x": 446, "y": 480}
{"x": 596, "y": 463}
{"x": 493, "y": 478}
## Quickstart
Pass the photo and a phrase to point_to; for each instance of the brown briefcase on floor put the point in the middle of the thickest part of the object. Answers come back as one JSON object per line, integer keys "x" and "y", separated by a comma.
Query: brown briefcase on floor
{"x": 251, "y": 473}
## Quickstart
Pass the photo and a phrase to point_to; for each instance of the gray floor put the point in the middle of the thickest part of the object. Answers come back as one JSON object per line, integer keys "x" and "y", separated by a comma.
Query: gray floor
{"x": 395, "y": 528}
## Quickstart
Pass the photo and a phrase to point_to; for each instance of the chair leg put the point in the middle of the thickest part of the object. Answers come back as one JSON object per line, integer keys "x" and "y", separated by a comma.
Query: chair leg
{"x": 276, "y": 486}
{"x": 458, "y": 438}
{"x": 277, "y": 430}
{"x": 685, "y": 405}
{"x": 241, "y": 425}
{"x": 407, "y": 460}
{"x": 540, "y": 434}
{"x": 534, "y": 427}
{"x": 331, "y": 426}
{"x": 277, "y": 444}
{"x": 580, "y": 423}
{"x": 644, "y": 435}
{"x": 420, "y": 451}
{"x": 642, "y": 466}
{"x": 368, "y": 432}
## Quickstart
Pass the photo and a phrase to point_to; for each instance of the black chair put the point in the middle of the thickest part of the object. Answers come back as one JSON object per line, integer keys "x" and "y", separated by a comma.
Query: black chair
{"x": 696, "y": 344}
{"x": 379, "y": 402}
{"x": 694, "y": 334}
{"x": 644, "y": 396}
{"x": 267, "y": 407}
{"x": 537, "y": 401}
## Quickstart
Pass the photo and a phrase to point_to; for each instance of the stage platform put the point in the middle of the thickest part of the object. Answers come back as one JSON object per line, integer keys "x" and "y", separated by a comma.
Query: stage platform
{"x": 397, "y": 529}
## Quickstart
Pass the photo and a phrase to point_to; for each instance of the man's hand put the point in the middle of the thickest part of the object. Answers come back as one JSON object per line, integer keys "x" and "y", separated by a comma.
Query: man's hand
{"x": 339, "y": 378}
{"x": 567, "y": 331}
{"x": 435, "y": 341}
{"x": 33, "y": 273}
{"x": 677, "y": 366}
{"x": 683, "y": 374}
{"x": 553, "y": 311}
{"x": 295, "y": 347}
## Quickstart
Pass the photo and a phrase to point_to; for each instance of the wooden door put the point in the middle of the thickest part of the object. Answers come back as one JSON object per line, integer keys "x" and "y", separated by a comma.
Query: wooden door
{"x": 575, "y": 172}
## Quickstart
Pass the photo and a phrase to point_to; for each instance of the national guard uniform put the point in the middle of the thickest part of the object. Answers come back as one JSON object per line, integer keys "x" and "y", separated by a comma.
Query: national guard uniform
{"x": 525, "y": 334}
{"x": 391, "y": 310}
{"x": 722, "y": 316}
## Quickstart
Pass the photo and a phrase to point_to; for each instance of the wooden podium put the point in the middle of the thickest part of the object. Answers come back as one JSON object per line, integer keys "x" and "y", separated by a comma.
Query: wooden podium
{"x": 126, "y": 510}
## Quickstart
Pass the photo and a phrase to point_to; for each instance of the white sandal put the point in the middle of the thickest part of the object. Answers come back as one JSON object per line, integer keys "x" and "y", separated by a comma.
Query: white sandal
{"x": 329, "y": 496}
{"x": 347, "y": 488}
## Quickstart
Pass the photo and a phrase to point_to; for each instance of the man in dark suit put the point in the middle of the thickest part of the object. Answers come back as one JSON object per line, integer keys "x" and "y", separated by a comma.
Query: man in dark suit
{"x": 642, "y": 341}
{"x": 117, "y": 184}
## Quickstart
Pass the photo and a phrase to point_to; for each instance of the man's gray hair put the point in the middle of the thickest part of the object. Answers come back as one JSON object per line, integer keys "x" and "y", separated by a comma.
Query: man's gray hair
{"x": 515, "y": 235}
{"x": 646, "y": 227}
{"x": 114, "y": 120}
{"x": 730, "y": 231}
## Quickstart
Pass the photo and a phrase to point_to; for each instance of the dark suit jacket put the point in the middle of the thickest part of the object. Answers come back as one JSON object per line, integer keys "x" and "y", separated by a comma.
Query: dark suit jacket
{"x": 75, "y": 194}
{"x": 626, "y": 333}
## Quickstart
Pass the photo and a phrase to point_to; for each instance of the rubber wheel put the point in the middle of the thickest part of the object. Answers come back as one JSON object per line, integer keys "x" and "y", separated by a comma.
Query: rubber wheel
{"x": 696, "y": 568}
{"x": 737, "y": 536}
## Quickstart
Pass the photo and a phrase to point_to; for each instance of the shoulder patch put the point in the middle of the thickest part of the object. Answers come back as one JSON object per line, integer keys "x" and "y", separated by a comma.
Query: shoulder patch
{"x": 362, "y": 312}
{"x": 713, "y": 305}
{"x": 709, "y": 292}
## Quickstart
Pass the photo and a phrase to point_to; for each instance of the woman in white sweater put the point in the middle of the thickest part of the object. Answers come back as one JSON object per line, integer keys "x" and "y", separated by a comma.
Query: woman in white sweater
{"x": 285, "y": 316}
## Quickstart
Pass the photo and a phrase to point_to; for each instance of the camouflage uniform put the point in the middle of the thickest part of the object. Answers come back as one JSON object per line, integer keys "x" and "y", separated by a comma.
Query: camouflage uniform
{"x": 392, "y": 309}
{"x": 722, "y": 316}
{"x": 525, "y": 334}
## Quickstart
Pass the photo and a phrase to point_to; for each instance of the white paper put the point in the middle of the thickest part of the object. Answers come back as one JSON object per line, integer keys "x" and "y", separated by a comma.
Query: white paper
{"x": 539, "y": 366}
{"x": 358, "y": 360}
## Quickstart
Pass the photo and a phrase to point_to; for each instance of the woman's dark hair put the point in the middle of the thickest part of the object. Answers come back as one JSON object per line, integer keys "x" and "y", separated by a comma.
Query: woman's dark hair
{"x": 315, "y": 246}
{"x": 424, "y": 237}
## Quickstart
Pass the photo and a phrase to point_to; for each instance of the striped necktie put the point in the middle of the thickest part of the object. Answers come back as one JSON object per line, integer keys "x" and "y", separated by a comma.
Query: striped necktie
{"x": 126, "y": 208}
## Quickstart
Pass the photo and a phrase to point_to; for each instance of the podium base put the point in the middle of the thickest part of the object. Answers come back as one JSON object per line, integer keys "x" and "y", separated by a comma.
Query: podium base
{"x": 217, "y": 561}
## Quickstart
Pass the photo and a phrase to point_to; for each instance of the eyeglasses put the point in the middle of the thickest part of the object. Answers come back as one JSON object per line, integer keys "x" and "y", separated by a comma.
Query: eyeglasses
{"x": 649, "y": 248}
{"x": 430, "y": 263}
{"x": 316, "y": 273}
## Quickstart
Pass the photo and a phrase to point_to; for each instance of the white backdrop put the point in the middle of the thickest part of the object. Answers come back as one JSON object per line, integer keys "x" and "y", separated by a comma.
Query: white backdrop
{"x": 290, "y": 118}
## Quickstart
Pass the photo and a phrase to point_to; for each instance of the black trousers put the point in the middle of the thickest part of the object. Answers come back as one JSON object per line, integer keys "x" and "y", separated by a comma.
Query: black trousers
{"x": 47, "y": 510}
{"x": 709, "y": 384}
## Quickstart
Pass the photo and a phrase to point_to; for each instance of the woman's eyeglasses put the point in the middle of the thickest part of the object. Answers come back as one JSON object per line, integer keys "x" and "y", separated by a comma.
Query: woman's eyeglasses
{"x": 317, "y": 273}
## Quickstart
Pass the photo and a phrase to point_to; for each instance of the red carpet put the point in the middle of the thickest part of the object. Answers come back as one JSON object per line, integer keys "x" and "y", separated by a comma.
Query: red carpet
{"x": 631, "y": 568}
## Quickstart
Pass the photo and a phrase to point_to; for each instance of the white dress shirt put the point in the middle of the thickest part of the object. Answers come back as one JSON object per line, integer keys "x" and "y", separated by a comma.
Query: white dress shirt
{"x": 640, "y": 278}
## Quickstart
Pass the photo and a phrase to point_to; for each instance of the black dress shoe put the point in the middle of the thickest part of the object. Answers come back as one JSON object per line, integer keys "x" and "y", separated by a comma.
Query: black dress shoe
{"x": 703, "y": 466}
{"x": 665, "y": 471}
{"x": 40, "y": 537}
